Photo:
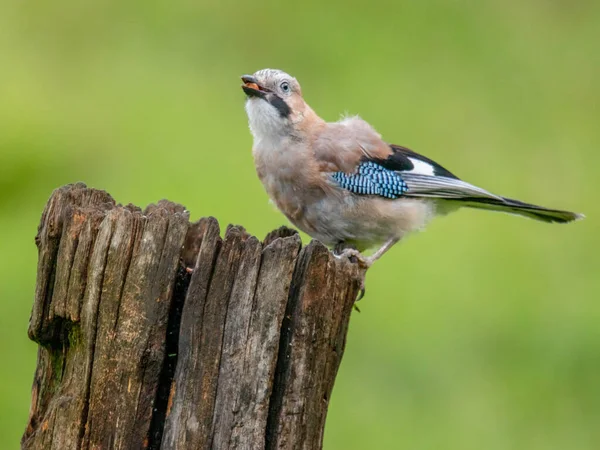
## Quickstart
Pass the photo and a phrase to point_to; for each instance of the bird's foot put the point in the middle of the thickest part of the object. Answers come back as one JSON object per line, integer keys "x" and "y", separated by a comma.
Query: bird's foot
{"x": 355, "y": 257}
{"x": 343, "y": 250}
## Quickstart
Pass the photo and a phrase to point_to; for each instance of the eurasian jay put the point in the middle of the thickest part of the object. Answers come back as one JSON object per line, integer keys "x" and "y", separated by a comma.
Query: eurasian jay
{"x": 342, "y": 184}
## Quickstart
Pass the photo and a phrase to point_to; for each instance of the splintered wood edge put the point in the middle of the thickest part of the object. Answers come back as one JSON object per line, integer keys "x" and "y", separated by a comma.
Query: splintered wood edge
{"x": 78, "y": 223}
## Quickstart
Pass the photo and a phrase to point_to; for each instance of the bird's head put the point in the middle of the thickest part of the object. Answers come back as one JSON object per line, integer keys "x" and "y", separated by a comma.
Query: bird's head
{"x": 274, "y": 104}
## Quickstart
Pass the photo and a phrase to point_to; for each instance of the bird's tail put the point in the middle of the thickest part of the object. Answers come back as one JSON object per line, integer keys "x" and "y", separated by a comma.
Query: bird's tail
{"x": 517, "y": 207}
{"x": 465, "y": 194}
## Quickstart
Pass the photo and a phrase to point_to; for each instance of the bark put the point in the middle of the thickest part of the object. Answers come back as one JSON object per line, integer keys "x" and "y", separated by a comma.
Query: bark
{"x": 157, "y": 333}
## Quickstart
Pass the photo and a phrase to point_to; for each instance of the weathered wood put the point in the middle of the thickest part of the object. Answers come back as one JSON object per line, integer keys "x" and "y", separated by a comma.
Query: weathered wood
{"x": 311, "y": 347}
{"x": 241, "y": 423}
{"x": 156, "y": 333}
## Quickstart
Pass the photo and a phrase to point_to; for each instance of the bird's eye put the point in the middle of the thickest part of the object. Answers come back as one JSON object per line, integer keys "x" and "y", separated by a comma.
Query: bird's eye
{"x": 285, "y": 87}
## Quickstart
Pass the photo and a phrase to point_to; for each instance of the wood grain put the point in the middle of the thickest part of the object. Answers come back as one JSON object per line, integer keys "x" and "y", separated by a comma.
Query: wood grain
{"x": 157, "y": 333}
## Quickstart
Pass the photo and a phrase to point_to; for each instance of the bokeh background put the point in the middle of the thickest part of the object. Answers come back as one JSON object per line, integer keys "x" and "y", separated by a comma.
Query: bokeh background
{"x": 484, "y": 331}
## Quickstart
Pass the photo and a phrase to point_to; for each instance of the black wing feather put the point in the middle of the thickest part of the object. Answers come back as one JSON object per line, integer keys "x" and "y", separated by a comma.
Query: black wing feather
{"x": 399, "y": 161}
{"x": 443, "y": 185}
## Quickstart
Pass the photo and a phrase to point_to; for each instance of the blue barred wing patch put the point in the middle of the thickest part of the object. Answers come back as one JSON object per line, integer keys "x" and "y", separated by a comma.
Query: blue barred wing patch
{"x": 372, "y": 179}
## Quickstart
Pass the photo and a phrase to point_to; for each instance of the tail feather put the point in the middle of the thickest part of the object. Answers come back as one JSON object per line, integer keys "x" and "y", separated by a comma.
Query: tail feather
{"x": 465, "y": 194}
{"x": 519, "y": 208}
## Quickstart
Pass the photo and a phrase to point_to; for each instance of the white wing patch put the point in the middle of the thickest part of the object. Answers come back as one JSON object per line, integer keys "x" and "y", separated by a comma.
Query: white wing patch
{"x": 421, "y": 167}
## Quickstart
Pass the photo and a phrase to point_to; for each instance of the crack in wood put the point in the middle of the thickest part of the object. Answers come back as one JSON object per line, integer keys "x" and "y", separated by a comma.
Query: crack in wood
{"x": 156, "y": 333}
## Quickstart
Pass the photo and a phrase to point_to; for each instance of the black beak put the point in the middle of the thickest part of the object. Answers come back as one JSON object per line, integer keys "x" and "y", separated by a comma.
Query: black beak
{"x": 252, "y": 88}
{"x": 249, "y": 79}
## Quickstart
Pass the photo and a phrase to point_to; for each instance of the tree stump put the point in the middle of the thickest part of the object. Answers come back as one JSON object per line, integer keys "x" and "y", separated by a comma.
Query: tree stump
{"x": 157, "y": 333}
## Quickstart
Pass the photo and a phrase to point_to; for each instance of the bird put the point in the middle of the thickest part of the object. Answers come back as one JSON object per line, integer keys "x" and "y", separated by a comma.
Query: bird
{"x": 342, "y": 184}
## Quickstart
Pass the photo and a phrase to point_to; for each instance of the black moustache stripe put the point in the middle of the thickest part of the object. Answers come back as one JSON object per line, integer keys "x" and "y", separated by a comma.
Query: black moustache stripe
{"x": 280, "y": 105}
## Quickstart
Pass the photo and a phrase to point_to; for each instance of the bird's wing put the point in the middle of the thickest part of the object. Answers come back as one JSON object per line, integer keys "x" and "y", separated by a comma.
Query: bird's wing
{"x": 419, "y": 185}
{"x": 402, "y": 172}
{"x": 404, "y": 160}
{"x": 371, "y": 178}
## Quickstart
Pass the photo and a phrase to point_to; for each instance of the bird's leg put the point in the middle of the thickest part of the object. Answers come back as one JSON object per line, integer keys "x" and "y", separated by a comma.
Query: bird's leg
{"x": 343, "y": 250}
{"x": 339, "y": 248}
{"x": 379, "y": 253}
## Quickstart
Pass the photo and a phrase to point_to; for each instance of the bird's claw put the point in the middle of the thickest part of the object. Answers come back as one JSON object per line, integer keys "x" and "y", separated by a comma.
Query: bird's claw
{"x": 355, "y": 257}
{"x": 362, "y": 291}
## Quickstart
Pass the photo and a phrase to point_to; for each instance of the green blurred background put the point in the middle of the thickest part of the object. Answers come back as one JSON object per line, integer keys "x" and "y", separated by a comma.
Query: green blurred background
{"x": 483, "y": 332}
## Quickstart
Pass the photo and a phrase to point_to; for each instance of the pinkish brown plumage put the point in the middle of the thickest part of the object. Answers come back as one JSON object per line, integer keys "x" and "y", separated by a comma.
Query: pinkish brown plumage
{"x": 342, "y": 184}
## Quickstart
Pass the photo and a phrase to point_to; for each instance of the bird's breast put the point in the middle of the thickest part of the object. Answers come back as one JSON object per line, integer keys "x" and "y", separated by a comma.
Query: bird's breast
{"x": 288, "y": 175}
